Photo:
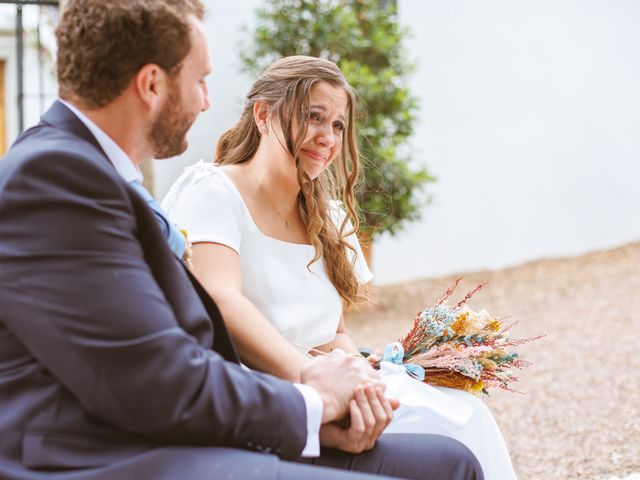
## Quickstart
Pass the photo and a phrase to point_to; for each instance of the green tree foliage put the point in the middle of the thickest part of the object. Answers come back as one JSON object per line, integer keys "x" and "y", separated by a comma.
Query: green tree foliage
{"x": 363, "y": 38}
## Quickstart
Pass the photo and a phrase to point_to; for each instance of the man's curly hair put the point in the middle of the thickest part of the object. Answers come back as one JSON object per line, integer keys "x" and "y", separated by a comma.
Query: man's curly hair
{"x": 102, "y": 44}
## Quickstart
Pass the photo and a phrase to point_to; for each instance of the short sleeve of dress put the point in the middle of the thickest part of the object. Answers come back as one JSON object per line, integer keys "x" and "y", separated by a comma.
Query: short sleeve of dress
{"x": 204, "y": 204}
{"x": 360, "y": 267}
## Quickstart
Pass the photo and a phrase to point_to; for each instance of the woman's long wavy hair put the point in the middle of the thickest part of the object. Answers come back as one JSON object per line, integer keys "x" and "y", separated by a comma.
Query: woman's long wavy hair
{"x": 285, "y": 86}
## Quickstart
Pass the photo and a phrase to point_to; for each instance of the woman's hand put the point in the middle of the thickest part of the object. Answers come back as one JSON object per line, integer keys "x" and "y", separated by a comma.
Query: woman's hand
{"x": 374, "y": 359}
{"x": 375, "y": 356}
{"x": 370, "y": 412}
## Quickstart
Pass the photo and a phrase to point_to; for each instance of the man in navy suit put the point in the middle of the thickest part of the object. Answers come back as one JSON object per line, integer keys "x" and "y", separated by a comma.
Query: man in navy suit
{"x": 114, "y": 362}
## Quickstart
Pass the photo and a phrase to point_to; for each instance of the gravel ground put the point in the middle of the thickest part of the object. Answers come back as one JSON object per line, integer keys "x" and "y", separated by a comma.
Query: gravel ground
{"x": 580, "y": 414}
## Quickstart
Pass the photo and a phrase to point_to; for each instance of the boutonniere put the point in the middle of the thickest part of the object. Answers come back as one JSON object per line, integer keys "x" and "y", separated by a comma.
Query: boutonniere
{"x": 187, "y": 256}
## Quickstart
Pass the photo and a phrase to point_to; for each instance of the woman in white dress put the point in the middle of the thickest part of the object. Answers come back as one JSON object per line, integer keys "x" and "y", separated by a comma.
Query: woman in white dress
{"x": 277, "y": 252}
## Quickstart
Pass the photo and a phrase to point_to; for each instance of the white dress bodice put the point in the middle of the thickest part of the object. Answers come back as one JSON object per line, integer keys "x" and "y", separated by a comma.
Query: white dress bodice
{"x": 300, "y": 302}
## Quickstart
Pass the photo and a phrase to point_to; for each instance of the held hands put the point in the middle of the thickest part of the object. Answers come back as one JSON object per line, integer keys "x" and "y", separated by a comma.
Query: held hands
{"x": 350, "y": 389}
{"x": 335, "y": 376}
{"x": 370, "y": 412}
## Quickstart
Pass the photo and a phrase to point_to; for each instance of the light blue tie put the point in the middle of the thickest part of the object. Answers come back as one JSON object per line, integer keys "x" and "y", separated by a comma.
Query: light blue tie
{"x": 174, "y": 237}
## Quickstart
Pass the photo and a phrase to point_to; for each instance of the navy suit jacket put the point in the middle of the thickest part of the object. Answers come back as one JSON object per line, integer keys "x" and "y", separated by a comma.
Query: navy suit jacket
{"x": 108, "y": 347}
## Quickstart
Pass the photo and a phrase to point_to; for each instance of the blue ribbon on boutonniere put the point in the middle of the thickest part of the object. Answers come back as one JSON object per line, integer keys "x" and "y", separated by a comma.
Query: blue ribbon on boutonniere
{"x": 394, "y": 353}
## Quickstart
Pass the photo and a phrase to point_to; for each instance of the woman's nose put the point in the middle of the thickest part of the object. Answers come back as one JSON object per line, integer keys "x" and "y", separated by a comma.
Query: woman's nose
{"x": 325, "y": 136}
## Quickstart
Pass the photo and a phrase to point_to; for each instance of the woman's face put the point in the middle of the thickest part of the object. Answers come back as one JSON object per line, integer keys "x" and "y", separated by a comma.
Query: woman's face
{"x": 325, "y": 130}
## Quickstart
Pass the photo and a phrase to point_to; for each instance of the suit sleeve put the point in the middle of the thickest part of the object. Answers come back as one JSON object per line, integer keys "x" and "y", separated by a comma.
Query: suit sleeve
{"x": 77, "y": 291}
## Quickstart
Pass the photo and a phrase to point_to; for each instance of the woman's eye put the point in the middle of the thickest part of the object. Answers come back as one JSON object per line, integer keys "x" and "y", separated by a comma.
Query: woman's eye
{"x": 338, "y": 126}
{"x": 315, "y": 116}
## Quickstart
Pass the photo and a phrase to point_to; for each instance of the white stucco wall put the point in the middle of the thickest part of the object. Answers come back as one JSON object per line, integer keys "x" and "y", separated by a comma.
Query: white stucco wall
{"x": 531, "y": 121}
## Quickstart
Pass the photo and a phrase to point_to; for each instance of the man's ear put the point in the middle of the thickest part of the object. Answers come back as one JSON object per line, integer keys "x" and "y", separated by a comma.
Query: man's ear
{"x": 261, "y": 115}
{"x": 151, "y": 84}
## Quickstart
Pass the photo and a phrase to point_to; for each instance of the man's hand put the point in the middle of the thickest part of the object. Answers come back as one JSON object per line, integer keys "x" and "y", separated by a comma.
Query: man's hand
{"x": 370, "y": 413}
{"x": 335, "y": 377}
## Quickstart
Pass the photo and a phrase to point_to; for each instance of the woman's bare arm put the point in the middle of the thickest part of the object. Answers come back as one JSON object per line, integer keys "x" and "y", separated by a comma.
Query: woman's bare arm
{"x": 259, "y": 343}
{"x": 342, "y": 340}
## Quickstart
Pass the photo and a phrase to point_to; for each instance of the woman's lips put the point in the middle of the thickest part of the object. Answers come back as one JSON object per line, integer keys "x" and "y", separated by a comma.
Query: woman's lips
{"x": 315, "y": 155}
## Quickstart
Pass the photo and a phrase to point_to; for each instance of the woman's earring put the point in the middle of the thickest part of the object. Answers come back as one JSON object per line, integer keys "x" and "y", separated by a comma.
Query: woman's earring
{"x": 263, "y": 129}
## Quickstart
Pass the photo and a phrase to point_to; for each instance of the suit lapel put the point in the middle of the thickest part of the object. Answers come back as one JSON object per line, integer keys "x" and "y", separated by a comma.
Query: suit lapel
{"x": 163, "y": 265}
{"x": 59, "y": 116}
{"x": 221, "y": 340}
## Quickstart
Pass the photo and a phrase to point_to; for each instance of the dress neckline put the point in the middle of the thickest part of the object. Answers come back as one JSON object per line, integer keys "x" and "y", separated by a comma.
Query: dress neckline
{"x": 248, "y": 212}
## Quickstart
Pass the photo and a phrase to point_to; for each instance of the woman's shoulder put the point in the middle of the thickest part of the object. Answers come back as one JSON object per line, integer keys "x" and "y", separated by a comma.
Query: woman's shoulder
{"x": 202, "y": 171}
{"x": 201, "y": 179}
